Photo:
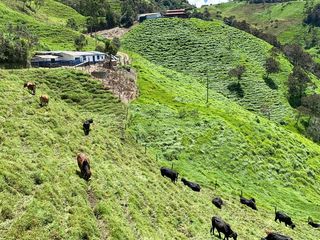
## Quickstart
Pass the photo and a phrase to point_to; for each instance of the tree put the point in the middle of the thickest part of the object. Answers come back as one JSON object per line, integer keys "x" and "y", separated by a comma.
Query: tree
{"x": 206, "y": 15}
{"x": 111, "y": 18}
{"x": 127, "y": 14}
{"x": 80, "y": 42}
{"x": 272, "y": 66}
{"x": 297, "y": 84}
{"x": 298, "y": 56}
{"x": 71, "y": 23}
{"x": 237, "y": 72}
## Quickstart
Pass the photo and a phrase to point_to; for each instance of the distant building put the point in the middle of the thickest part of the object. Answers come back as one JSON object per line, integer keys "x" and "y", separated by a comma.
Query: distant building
{"x": 180, "y": 13}
{"x": 66, "y": 58}
{"x": 147, "y": 16}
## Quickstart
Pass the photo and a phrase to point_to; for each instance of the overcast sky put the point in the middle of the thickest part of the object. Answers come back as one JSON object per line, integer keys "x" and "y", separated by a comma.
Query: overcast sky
{"x": 199, "y": 3}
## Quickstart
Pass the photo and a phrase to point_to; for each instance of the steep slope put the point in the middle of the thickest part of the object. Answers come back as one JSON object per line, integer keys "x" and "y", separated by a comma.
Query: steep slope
{"x": 285, "y": 20}
{"x": 48, "y": 23}
{"x": 222, "y": 143}
{"x": 42, "y": 197}
{"x": 210, "y": 49}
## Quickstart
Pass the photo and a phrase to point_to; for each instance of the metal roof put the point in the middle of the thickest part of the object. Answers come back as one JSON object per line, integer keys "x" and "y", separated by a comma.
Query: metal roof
{"x": 71, "y": 53}
{"x": 46, "y": 56}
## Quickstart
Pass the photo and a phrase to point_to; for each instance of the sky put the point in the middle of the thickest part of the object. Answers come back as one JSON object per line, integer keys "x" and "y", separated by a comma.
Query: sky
{"x": 199, "y": 3}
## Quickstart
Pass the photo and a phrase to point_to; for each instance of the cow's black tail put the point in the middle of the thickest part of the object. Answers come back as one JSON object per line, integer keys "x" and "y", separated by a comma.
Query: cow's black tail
{"x": 275, "y": 209}
{"x": 241, "y": 193}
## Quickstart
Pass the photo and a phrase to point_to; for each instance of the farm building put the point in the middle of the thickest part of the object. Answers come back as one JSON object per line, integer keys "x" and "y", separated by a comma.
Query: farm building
{"x": 66, "y": 58}
{"x": 180, "y": 13}
{"x": 147, "y": 16}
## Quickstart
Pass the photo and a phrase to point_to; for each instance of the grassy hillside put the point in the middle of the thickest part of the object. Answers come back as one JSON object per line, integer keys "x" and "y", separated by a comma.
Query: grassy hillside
{"x": 221, "y": 142}
{"x": 48, "y": 23}
{"x": 42, "y": 197}
{"x": 285, "y": 20}
{"x": 196, "y": 48}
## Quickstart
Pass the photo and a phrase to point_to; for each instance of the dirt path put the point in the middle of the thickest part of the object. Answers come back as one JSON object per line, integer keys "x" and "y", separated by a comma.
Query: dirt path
{"x": 101, "y": 224}
{"x": 113, "y": 32}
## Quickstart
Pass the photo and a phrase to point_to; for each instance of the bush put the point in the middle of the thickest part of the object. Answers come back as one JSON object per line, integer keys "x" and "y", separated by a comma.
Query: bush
{"x": 270, "y": 83}
{"x": 236, "y": 88}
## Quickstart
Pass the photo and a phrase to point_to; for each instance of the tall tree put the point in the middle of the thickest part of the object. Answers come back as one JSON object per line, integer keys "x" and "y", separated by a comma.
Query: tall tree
{"x": 297, "y": 83}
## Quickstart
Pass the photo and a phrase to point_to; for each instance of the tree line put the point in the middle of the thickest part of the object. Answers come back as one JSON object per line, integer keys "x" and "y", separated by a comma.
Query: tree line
{"x": 102, "y": 16}
{"x": 16, "y": 45}
{"x": 299, "y": 81}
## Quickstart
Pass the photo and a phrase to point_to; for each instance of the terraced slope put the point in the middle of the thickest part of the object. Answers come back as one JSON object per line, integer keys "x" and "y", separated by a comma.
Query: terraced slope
{"x": 48, "y": 23}
{"x": 285, "y": 20}
{"x": 224, "y": 143}
{"x": 42, "y": 197}
{"x": 199, "y": 48}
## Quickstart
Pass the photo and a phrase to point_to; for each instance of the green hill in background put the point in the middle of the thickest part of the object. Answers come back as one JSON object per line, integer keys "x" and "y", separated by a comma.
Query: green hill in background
{"x": 211, "y": 49}
{"x": 284, "y": 20}
{"x": 48, "y": 23}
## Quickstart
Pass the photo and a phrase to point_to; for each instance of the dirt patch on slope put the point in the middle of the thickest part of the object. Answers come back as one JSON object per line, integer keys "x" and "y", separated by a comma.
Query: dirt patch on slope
{"x": 113, "y": 32}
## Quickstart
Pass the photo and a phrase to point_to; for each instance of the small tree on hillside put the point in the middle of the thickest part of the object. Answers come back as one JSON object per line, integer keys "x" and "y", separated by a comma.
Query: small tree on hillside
{"x": 237, "y": 72}
{"x": 272, "y": 66}
{"x": 297, "y": 83}
{"x": 80, "y": 42}
{"x": 71, "y": 23}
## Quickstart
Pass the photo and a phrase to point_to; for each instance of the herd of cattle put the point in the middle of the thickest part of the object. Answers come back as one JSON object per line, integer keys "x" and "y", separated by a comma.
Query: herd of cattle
{"x": 82, "y": 159}
{"x": 221, "y": 226}
{"x": 216, "y": 222}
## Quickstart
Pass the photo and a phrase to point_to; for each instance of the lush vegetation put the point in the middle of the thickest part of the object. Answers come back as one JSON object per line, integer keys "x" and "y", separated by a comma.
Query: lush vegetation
{"x": 111, "y": 13}
{"x": 47, "y": 23}
{"x": 285, "y": 20}
{"x": 210, "y": 50}
{"x": 43, "y": 197}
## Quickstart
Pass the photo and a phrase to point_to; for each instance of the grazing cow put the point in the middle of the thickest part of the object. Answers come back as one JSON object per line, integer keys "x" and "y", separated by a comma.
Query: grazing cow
{"x": 84, "y": 165}
{"x": 31, "y": 87}
{"x": 222, "y": 227}
{"x": 282, "y": 217}
{"x": 276, "y": 236}
{"x": 173, "y": 175}
{"x": 313, "y": 224}
{"x": 86, "y": 126}
{"x": 217, "y": 201}
{"x": 44, "y": 100}
{"x": 194, "y": 186}
{"x": 249, "y": 202}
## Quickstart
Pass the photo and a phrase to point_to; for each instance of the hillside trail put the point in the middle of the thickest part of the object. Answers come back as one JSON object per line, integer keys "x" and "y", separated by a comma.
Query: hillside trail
{"x": 100, "y": 223}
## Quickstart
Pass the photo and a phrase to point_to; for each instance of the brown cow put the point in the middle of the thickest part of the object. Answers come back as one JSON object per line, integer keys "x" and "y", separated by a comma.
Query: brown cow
{"x": 31, "y": 87}
{"x": 44, "y": 100}
{"x": 84, "y": 165}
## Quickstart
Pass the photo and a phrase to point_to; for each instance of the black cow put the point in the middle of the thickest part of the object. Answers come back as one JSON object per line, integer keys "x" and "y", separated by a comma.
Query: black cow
{"x": 222, "y": 227}
{"x": 194, "y": 186}
{"x": 217, "y": 201}
{"x": 276, "y": 236}
{"x": 313, "y": 224}
{"x": 282, "y": 217}
{"x": 86, "y": 126}
{"x": 173, "y": 175}
{"x": 249, "y": 202}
